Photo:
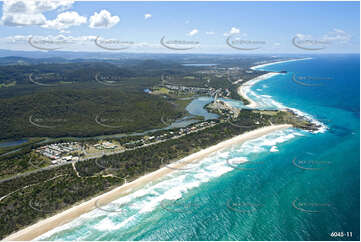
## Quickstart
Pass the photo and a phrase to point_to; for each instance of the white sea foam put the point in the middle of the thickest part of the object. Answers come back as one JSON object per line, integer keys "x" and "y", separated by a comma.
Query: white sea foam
{"x": 173, "y": 186}
{"x": 105, "y": 224}
{"x": 266, "y": 102}
{"x": 178, "y": 183}
{"x": 274, "y": 149}
{"x": 238, "y": 160}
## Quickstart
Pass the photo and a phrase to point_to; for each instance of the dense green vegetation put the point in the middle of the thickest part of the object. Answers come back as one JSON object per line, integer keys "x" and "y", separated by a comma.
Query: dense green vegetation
{"x": 79, "y": 113}
{"x": 66, "y": 97}
{"x": 76, "y": 100}
{"x": 59, "y": 188}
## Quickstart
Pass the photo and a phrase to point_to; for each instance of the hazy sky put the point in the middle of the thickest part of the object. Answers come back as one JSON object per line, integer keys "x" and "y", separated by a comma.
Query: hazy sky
{"x": 199, "y": 27}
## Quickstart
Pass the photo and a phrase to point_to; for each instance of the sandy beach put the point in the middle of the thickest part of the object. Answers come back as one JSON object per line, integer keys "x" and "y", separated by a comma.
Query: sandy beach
{"x": 68, "y": 215}
{"x": 245, "y": 88}
{"x": 277, "y": 62}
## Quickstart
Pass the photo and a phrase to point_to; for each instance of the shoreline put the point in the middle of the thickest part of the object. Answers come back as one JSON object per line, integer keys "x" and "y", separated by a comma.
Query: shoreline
{"x": 241, "y": 90}
{"x": 33, "y": 231}
{"x": 277, "y": 62}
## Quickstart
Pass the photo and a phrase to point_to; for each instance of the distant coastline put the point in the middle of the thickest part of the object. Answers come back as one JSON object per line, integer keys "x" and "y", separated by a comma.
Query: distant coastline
{"x": 43, "y": 226}
{"x": 278, "y": 62}
{"x": 248, "y": 85}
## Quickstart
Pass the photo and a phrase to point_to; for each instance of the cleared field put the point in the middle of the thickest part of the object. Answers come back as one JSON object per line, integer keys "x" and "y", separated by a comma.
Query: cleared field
{"x": 162, "y": 90}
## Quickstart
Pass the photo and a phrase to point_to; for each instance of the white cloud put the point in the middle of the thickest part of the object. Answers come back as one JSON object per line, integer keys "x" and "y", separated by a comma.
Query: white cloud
{"x": 303, "y": 36}
{"x": 64, "y": 31}
{"x": 23, "y": 19}
{"x": 17, "y": 38}
{"x": 193, "y": 32}
{"x": 233, "y": 30}
{"x": 147, "y": 16}
{"x": 25, "y": 12}
{"x": 65, "y": 20}
{"x": 103, "y": 19}
{"x": 210, "y": 33}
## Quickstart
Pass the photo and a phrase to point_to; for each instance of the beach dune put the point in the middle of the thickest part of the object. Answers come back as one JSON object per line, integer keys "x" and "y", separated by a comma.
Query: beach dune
{"x": 68, "y": 215}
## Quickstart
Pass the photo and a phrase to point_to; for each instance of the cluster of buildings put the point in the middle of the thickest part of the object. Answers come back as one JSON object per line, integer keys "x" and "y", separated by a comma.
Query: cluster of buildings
{"x": 170, "y": 135}
{"x": 105, "y": 146}
{"x": 187, "y": 90}
{"x": 224, "y": 108}
{"x": 183, "y": 90}
{"x": 195, "y": 127}
{"x": 60, "y": 152}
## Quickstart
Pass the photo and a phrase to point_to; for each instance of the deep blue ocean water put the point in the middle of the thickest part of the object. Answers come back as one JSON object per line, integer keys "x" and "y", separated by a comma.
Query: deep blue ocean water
{"x": 296, "y": 186}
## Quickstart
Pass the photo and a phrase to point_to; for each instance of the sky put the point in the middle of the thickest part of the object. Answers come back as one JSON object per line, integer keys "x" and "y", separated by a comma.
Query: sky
{"x": 180, "y": 27}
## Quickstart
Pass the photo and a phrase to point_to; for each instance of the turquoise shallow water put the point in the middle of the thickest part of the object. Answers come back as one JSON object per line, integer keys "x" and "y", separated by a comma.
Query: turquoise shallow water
{"x": 296, "y": 185}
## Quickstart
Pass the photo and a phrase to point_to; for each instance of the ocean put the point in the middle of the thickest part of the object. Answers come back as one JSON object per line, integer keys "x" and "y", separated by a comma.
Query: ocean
{"x": 296, "y": 185}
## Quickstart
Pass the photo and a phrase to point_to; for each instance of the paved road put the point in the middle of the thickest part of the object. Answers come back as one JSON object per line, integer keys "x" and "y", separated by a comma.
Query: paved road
{"x": 3, "y": 197}
{"x": 32, "y": 172}
{"x": 93, "y": 157}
